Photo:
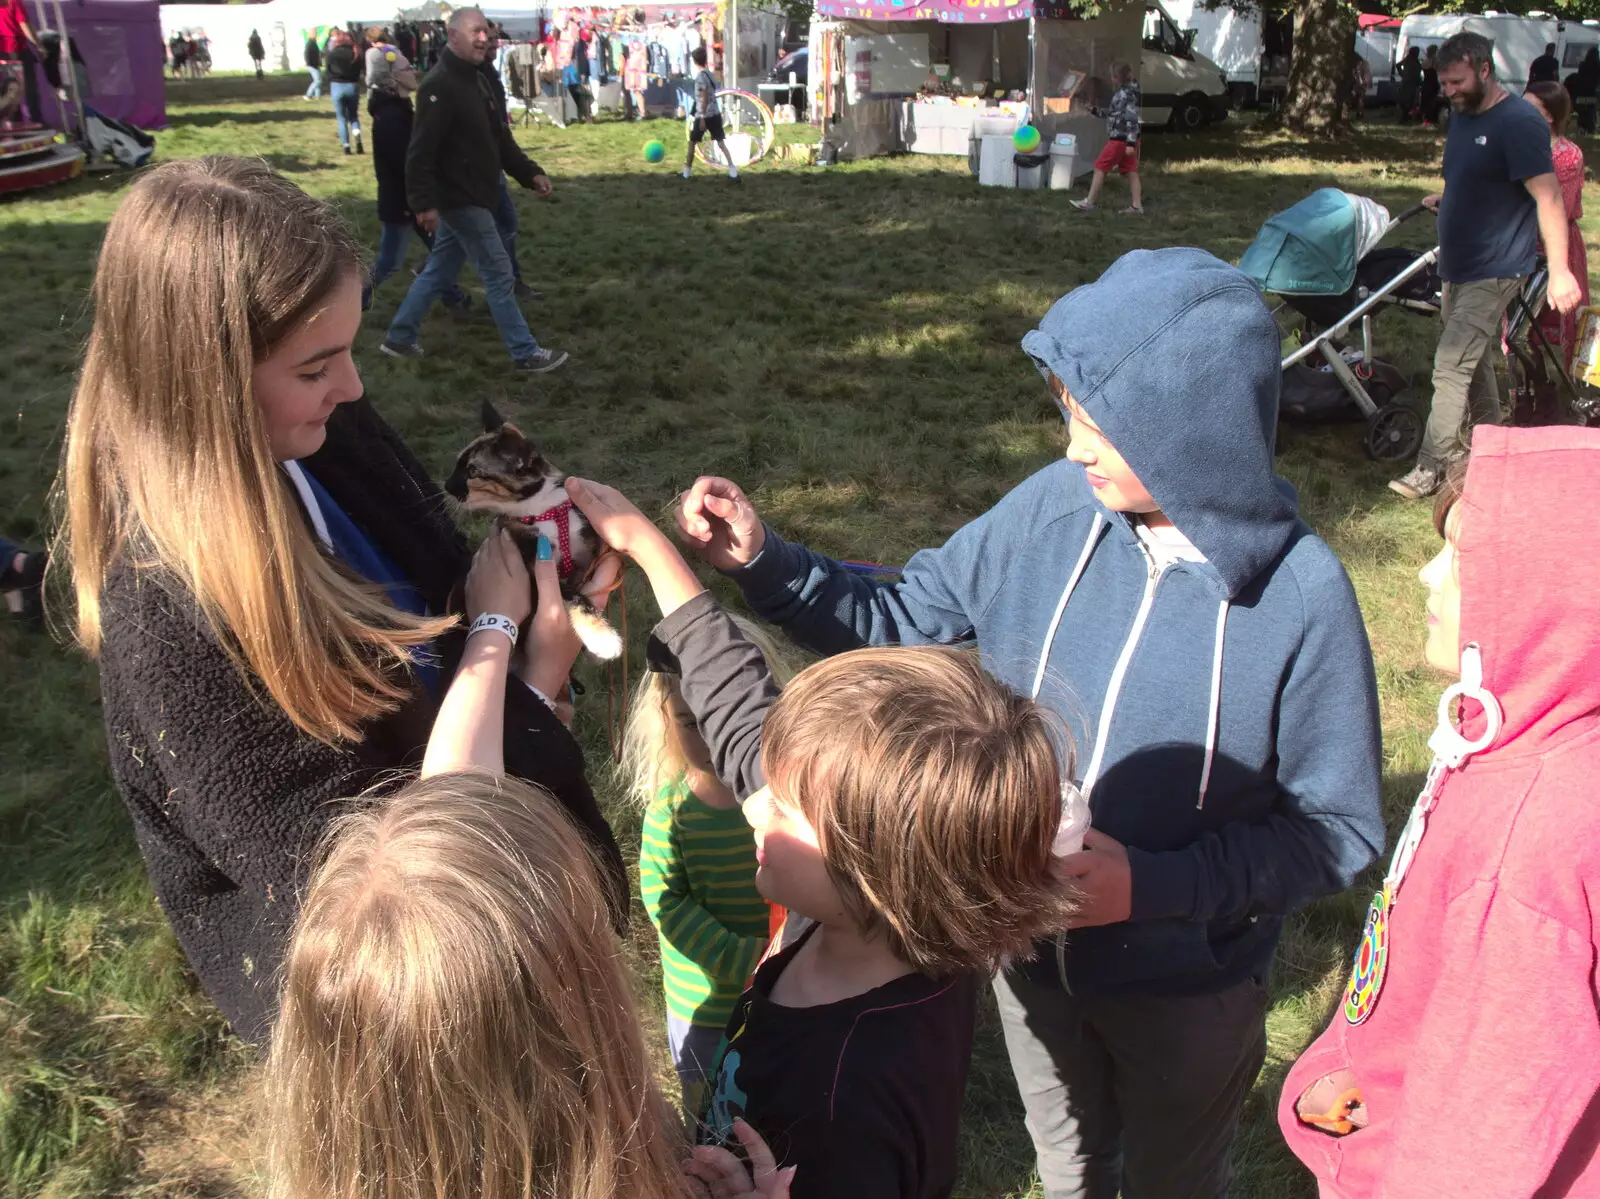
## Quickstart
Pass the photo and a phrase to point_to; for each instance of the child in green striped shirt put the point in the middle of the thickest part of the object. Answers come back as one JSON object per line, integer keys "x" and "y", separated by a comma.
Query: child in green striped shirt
{"x": 697, "y": 870}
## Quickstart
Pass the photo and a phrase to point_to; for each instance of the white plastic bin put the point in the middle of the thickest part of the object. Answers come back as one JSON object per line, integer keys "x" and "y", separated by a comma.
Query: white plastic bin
{"x": 1063, "y": 160}
{"x": 996, "y": 167}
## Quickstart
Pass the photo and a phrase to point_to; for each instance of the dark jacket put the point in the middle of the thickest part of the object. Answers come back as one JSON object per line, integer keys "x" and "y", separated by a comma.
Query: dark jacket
{"x": 313, "y": 54}
{"x": 459, "y": 144}
{"x": 391, "y": 136}
{"x": 257, "y": 50}
{"x": 228, "y": 798}
{"x": 497, "y": 88}
{"x": 344, "y": 65}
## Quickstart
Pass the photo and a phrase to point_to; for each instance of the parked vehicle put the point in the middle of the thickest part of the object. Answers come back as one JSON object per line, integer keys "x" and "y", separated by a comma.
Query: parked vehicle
{"x": 1179, "y": 86}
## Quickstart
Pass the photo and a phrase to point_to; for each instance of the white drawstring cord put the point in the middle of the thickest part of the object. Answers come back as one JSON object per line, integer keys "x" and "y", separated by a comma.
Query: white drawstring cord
{"x": 1216, "y": 703}
{"x": 1055, "y": 621}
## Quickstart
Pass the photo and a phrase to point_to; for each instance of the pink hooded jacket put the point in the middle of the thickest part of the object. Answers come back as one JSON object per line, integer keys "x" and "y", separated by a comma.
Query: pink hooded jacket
{"x": 1480, "y": 1065}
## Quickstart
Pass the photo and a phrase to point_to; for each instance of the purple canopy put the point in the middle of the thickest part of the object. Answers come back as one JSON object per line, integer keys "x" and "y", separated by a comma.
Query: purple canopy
{"x": 120, "y": 42}
{"x": 956, "y": 12}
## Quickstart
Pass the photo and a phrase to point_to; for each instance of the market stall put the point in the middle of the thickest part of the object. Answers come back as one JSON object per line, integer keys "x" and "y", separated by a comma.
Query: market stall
{"x": 927, "y": 76}
{"x": 115, "y": 46}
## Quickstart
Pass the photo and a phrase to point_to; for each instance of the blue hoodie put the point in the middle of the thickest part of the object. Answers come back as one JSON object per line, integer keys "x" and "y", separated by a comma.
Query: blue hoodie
{"x": 1224, "y": 712}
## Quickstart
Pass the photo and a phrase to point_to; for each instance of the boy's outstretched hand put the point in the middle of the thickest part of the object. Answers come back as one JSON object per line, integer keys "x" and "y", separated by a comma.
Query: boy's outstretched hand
{"x": 1101, "y": 876}
{"x": 721, "y": 1175}
{"x": 718, "y": 519}
{"x": 625, "y": 529}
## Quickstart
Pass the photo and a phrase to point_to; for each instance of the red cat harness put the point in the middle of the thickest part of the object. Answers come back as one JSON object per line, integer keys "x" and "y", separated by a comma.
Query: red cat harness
{"x": 560, "y": 515}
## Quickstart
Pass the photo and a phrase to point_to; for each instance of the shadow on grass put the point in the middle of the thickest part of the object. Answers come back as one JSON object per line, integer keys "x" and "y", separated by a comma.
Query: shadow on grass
{"x": 204, "y": 118}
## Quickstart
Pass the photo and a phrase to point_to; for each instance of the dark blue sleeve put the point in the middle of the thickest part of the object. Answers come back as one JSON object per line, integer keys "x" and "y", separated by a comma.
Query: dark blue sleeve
{"x": 1327, "y": 825}
{"x": 937, "y": 600}
{"x": 1527, "y": 144}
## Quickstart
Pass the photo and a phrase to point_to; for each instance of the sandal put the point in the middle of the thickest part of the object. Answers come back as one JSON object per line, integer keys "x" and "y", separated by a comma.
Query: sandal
{"x": 30, "y": 582}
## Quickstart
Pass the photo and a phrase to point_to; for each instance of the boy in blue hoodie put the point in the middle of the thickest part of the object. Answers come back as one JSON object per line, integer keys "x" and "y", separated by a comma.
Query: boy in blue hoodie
{"x": 1158, "y": 591}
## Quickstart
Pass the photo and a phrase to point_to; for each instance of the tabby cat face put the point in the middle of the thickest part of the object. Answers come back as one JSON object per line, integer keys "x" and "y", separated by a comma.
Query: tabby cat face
{"x": 502, "y": 470}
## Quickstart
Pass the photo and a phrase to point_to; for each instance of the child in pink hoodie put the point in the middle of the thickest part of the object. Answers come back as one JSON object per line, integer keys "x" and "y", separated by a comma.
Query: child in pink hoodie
{"x": 1464, "y": 1058}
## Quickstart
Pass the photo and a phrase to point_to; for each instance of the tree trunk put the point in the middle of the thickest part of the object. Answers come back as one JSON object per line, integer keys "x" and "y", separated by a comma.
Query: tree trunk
{"x": 1318, "y": 99}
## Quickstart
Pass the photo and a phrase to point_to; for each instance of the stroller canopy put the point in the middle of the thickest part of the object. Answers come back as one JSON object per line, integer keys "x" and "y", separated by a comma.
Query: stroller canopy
{"x": 1313, "y": 248}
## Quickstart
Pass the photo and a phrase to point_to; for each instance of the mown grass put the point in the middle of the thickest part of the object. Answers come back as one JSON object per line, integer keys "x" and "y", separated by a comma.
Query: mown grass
{"x": 842, "y": 340}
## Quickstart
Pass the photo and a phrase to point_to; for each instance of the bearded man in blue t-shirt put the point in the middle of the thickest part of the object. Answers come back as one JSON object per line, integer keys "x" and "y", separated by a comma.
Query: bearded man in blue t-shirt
{"x": 1500, "y": 198}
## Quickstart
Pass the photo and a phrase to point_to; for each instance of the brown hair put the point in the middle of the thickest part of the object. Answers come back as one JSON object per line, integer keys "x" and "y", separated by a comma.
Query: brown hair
{"x": 1557, "y": 101}
{"x": 456, "y": 1018}
{"x": 1122, "y": 72}
{"x": 935, "y": 792}
{"x": 1450, "y": 492}
{"x": 1473, "y": 49}
{"x": 207, "y": 266}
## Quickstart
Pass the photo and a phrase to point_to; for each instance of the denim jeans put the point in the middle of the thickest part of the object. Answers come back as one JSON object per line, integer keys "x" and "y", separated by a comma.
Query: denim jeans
{"x": 505, "y": 219}
{"x": 347, "y": 107}
{"x": 466, "y": 235}
{"x": 392, "y": 256}
{"x": 315, "y": 89}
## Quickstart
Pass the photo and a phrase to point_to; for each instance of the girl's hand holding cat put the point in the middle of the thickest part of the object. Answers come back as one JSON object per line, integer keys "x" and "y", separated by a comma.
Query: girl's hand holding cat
{"x": 498, "y": 581}
{"x": 552, "y": 644}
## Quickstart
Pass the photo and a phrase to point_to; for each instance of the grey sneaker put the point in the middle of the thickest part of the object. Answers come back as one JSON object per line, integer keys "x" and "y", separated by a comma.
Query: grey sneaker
{"x": 541, "y": 362}
{"x": 1419, "y": 484}
{"x": 1083, "y": 206}
{"x": 396, "y": 349}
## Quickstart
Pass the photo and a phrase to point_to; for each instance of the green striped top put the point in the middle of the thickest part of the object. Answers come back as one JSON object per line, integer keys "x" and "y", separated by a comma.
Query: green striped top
{"x": 697, "y": 876}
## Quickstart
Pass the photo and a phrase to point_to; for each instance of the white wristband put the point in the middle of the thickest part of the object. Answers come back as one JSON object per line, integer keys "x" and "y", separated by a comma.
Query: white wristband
{"x": 491, "y": 620}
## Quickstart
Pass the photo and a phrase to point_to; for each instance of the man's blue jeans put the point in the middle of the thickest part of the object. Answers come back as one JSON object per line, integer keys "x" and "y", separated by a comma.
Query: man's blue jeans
{"x": 466, "y": 235}
{"x": 505, "y": 218}
{"x": 315, "y": 89}
{"x": 392, "y": 256}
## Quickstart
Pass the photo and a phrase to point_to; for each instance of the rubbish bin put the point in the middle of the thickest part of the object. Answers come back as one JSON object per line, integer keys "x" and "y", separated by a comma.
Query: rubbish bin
{"x": 1030, "y": 170}
{"x": 995, "y": 165}
{"x": 1063, "y": 160}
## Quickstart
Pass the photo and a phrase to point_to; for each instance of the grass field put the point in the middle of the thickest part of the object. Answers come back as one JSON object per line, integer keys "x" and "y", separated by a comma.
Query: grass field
{"x": 843, "y": 341}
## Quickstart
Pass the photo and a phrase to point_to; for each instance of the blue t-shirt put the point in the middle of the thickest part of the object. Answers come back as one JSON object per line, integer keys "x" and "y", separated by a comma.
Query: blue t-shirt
{"x": 357, "y": 550}
{"x": 1488, "y": 223}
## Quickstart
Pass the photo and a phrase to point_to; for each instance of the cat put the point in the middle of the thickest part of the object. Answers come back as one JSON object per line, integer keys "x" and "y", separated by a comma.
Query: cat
{"x": 502, "y": 471}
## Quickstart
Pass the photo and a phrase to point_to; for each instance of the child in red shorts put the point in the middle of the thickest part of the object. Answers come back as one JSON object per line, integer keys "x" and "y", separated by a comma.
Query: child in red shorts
{"x": 1122, "y": 144}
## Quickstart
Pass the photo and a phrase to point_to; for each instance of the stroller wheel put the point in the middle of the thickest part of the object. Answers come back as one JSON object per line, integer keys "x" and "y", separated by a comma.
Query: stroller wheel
{"x": 1394, "y": 434}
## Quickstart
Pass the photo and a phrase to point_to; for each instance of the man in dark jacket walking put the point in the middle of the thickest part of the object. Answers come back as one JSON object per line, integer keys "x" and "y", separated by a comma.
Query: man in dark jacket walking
{"x": 459, "y": 146}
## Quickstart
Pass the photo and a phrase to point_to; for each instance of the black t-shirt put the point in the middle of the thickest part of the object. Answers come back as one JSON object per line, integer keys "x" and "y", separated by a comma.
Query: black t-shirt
{"x": 1544, "y": 69}
{"x": 863, "y": 1095}
{"x": 1488, "y": 223}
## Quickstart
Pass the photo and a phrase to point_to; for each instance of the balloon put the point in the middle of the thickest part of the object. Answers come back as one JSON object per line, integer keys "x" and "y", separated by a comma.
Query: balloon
{"x": 654, "y": 151}
{"x": 1025, "y": 139}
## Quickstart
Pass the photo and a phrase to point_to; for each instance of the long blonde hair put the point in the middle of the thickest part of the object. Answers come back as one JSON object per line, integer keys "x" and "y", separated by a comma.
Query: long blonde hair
{"x": 456, "y": 1020}
{"x": 207, "y": 266}
{"x": 650, "y": 756}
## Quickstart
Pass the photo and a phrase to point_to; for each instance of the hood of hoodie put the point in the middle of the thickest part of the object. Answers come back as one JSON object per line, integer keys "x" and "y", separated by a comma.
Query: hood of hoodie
{"x": 1174, "y": 354}
{"x": 1530, "y": 589}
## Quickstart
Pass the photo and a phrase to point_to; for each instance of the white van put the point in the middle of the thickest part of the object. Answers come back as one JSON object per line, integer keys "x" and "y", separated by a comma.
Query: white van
{"x": 1177, "y": 85}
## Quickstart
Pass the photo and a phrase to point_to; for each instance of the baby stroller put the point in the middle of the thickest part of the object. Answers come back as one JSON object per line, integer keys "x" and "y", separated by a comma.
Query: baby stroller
{"x": 1323, "y": 258}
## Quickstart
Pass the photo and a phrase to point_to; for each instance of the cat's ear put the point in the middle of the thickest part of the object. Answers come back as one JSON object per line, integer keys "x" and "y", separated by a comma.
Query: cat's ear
{"x": 492, "y": 420}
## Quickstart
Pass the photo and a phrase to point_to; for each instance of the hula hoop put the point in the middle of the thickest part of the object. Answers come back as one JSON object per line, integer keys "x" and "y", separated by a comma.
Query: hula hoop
{"x": 744, "y": 108}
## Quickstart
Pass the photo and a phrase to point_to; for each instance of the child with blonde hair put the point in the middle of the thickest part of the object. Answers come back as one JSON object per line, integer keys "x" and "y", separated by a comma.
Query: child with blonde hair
{"x": 906, "y": 802}
{"x": 697, "y": 870}
{"x": 455, "y": 1018}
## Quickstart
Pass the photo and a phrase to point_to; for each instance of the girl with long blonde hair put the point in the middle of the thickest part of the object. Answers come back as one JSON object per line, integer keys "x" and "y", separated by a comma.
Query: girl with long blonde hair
{"x": 456, "y": 1020}
{"x": 261, "y": 566}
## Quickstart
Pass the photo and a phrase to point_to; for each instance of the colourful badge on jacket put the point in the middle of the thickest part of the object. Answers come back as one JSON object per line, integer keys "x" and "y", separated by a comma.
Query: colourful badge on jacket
{"x": 1371, "y": 963}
